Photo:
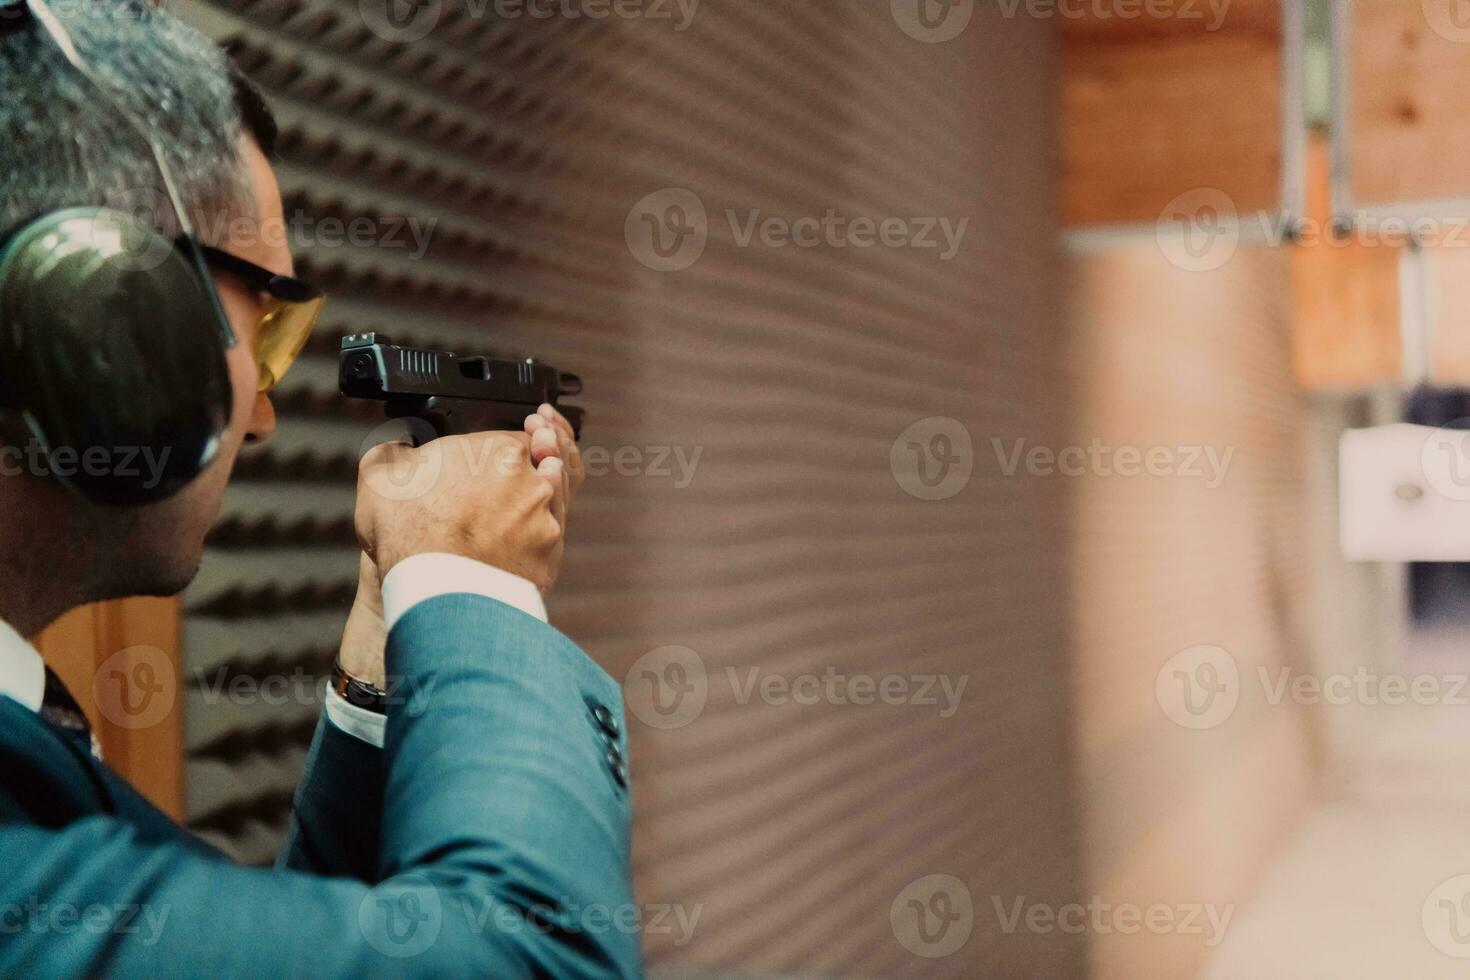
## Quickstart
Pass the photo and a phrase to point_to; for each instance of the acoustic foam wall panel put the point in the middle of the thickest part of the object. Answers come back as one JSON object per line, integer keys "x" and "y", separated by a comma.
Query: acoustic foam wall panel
{"x": 781, "y": 377}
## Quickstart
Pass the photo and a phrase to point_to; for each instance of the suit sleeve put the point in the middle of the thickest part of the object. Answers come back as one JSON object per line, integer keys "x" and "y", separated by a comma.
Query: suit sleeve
{"x": 335, "y": 815}
{"x": 503, "y": 840}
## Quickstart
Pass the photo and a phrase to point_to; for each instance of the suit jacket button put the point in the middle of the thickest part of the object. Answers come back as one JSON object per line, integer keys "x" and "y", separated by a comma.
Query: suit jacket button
{"x": 605, "y": 719}
{"x": 620, "y": 773}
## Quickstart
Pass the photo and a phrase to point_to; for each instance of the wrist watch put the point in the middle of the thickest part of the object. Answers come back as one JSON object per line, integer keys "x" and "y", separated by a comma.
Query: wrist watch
{"x": 358, "y": 693}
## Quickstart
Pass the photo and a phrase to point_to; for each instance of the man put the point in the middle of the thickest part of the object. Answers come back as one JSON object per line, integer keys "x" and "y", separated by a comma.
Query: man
{"x": 477, "y": 826}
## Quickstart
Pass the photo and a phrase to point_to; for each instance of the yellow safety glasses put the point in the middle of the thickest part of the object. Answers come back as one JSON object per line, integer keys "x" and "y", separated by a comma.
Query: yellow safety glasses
{"x": 286, "y": 325}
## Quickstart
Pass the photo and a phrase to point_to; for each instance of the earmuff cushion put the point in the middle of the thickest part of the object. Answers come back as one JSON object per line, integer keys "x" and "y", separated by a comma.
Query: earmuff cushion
{"x": 110, "y": 344}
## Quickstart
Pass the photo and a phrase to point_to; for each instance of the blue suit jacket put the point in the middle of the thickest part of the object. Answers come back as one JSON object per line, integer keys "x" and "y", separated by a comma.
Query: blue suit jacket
{"x": 489, "y": 837}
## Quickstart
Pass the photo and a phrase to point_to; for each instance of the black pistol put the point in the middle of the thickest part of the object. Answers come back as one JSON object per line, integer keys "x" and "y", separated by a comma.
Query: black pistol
{"x": 453, "y": 393}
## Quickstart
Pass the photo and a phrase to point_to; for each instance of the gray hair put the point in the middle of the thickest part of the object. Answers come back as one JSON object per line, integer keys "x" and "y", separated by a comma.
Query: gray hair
{"x": 64, "y": 144}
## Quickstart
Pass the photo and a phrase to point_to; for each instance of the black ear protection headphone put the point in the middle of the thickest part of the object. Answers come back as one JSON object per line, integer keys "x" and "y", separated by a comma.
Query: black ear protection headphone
{"x": 112, "y": 335}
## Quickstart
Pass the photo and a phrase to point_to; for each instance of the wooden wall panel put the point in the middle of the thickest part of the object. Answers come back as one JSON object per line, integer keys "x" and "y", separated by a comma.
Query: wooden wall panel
{"x": 1169, "y": 562}
{"x": 121, "y": 661}
{"x": 1346, "y": 297}
{"x": 1156, "y": 107}
{"x": 1409, "y": 125}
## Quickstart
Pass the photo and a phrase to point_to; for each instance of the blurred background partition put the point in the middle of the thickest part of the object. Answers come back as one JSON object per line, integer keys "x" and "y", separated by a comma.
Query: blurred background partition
{"x": 1193, "y": 780}
{"x": 674, "y": 207}
{"x": 1400, "y": 134}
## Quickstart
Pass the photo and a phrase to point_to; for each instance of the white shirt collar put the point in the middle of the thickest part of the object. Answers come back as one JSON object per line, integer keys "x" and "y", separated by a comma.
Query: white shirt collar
{"x": 22, "y": 671}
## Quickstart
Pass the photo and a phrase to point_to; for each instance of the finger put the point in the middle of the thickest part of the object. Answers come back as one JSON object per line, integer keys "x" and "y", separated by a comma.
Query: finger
{"x": 552, "y": 470}
{"x": 567, "y": 440}
{"x": 534, "y": 422}
{"x": 548, "y": 412}
{"x": 544, "y": 444}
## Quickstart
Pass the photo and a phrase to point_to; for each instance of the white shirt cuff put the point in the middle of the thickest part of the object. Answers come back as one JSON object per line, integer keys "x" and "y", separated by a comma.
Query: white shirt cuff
{"x": 360, "y": 723}
{"x": 426, "y": 576}
{"x": 409, "y": 583}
